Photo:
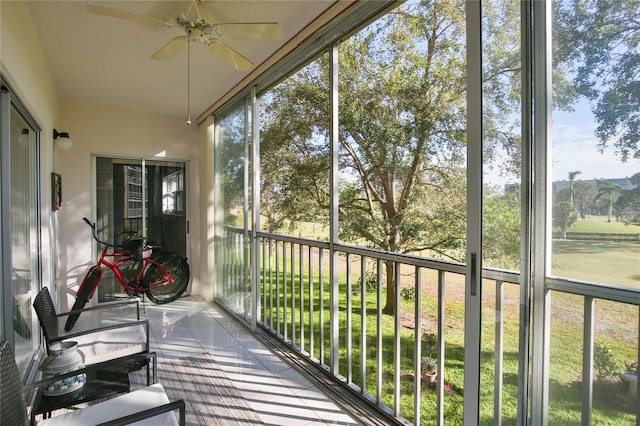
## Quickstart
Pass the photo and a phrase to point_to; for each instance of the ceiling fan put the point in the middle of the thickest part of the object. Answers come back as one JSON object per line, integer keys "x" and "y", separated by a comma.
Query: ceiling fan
{"x": 199, "y": 25}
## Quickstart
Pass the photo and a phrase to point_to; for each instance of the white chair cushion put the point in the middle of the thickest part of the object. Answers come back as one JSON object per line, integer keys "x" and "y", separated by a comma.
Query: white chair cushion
{"x": 111, "y": 344}
{"x": 123, "y": 405}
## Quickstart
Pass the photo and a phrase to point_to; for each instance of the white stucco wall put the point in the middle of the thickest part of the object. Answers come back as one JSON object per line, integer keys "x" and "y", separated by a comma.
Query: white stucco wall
{"x": 66, "y": 241}
{"x": 98, "y": 130}
{"x": 23, "y": 65}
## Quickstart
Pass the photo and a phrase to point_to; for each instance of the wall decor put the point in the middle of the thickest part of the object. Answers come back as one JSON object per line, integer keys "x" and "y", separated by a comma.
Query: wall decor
{"x": 56, "y": 191}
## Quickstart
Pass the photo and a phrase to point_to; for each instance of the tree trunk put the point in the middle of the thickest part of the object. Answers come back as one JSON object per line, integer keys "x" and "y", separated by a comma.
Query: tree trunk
{"x": 390, "y": 306}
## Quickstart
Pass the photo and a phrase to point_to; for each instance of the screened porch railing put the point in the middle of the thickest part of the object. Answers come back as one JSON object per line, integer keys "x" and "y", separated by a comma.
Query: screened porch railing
{"x": 334, "y": 317}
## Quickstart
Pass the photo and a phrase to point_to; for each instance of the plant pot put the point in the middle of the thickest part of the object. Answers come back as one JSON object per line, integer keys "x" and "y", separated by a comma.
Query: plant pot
{"x": 632, "y": 379}
{"x": 430, "y": 378}
{"x": 63, "y": 358}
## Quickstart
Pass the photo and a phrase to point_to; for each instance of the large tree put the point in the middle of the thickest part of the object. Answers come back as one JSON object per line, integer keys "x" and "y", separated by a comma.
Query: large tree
{"x": 599, "y": 43}
{"x": 572, "y": 178}
{"x": 501, "y": 228}
{"x": 609, "y": 192}
{"x": 628, "y": 203}
{"x": 565, "y": 216}
{"x": 584, "y": 194}
{"x": 402, "y": 120}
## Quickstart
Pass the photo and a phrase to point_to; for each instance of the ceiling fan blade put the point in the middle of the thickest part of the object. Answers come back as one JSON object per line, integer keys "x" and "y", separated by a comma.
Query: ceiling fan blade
{"x": 170, "y": 49}
{"x": 114, "y": 13}
{"x": 235, "y": 59}
{"x": 251, "y": 30}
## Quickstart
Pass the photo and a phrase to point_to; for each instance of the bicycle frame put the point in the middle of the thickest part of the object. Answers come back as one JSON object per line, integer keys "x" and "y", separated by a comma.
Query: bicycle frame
{"x": 119, "y": 260}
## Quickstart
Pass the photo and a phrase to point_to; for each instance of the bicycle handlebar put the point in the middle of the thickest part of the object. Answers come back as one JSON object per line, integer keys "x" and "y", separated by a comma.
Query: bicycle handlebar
{"x": 95, "y": 233}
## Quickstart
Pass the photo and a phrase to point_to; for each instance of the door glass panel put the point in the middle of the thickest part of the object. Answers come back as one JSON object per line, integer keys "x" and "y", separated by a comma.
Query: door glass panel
{"x": 139, "y": 198}
{"x": 295, "y": 154}
{"x": 402, "y": 190}
{"x": 166, "y": 218}
{"x": 25, "y": 237}
{"x": 596, "y": 155}
{"x": 595, "y": 197}
{"x": 501, "y": 121}
{"x": 232, "y": 163}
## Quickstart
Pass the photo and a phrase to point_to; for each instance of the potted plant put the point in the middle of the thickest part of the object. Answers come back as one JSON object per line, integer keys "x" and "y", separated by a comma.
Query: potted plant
{"x": 429, "y": 367}
{"x": 630, "y": 375}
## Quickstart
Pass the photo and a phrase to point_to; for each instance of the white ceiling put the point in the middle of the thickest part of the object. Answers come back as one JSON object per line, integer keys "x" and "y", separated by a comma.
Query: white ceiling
{"x": 106, "y": 61}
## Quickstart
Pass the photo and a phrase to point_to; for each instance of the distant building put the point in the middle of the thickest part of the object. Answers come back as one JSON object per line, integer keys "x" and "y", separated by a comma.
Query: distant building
{"x": 624, "y": 183}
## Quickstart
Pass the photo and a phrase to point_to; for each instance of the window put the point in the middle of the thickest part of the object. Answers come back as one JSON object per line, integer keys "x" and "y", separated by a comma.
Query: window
{"x": 173, "y": 193}
{"x": 20, "y": 235}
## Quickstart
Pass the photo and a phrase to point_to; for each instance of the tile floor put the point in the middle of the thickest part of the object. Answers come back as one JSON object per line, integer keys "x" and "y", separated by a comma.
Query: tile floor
{"x": 276, "y": 391}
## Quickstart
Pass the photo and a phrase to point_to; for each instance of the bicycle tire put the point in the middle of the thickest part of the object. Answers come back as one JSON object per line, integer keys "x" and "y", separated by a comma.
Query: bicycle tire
{"x": 178, "y": 268}
{"x": 81, "y": 299}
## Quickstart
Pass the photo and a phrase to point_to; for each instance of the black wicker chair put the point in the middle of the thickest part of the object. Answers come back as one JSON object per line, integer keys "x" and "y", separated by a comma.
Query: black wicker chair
{"x": 150, "y": 403}
{"x": 100, "y": 344}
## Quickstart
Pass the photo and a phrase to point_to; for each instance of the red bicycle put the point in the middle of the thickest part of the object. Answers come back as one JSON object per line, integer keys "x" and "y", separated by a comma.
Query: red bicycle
{"x": 163, "y": 278}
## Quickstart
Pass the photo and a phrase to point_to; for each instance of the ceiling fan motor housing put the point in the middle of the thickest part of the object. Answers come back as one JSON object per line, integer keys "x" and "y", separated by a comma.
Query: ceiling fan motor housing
{"x": 201, "y": 25}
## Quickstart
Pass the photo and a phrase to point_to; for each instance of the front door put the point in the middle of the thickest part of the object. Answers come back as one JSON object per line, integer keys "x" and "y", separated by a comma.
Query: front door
{"x": 140, "y": 197}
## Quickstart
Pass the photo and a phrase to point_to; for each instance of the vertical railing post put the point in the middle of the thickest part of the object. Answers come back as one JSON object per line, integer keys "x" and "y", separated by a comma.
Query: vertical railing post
{"x": 349, "y": 318}
{"x": 270, "y": 284}
{"x": 301, "y": 292}
{"x": 278, "y": 288}
{"x": 311, "y": 302}
{"x": 223, "y": 256}
{"x": 441, "y": 311}
{"x": 379, "y": 331}
{"x": 321, "y": 296}
{"x": 587, "y": 361}
{"x": 363, "y": 323}
{"x": 293, "y": 295}
{"x": 499, "y": 355}
{"x": 285, "y": 310}
{"x": 396, "y": 341}
{"x": 417, "y": 350}
{"x": 263, "y": 281}
{"x": 638, "y": 374}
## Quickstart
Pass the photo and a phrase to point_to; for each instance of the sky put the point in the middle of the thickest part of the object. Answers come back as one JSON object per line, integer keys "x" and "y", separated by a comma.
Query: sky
{"x": 575, "y": 148}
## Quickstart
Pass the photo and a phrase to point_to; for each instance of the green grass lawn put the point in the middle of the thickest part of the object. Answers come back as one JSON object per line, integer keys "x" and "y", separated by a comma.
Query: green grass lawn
{"x": 599, "y": 224}
{"x": 599, "y": 261}
{"x": 616, "y": 324}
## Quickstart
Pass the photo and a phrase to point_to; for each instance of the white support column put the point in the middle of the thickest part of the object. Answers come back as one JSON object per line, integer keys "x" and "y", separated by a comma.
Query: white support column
{"x": 255, "y": 211}
{"x": 6, "y": 332}
{"x": 333, "y": 238}
{"x": 526, "y": 206}
{"x": 473, "y": 286}
{"x": 542, "y": 210}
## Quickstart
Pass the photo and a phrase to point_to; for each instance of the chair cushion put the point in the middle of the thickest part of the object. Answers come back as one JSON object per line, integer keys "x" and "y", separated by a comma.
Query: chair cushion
{"x": 111, "y": 344}
{"x": 123, "y": 405}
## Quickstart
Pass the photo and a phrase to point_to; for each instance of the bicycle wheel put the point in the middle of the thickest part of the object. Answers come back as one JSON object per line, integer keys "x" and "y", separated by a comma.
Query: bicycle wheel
{"x": 178, "y": 268}
{"x": 82, "y": 298}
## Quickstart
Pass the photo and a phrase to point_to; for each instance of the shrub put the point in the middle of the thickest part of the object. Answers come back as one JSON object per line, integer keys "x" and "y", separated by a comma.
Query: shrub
{"x": 408, "y": 293}
{"x": 429, "y": 365}
{"x": 603, "y": 360}
{"x": 430, "y": 344}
